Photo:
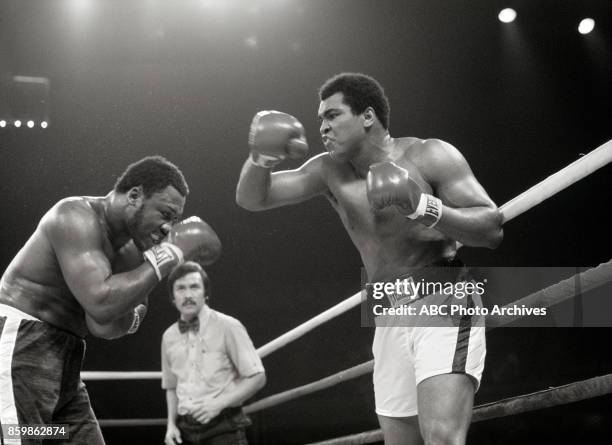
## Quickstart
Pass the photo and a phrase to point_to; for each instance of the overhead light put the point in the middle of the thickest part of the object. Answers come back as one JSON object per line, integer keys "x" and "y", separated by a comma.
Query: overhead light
{"x": 44, "y": 124}
{"x": 17, "y": 123}
{"x": 586, "y": 26}
{"x": 507, "y": 15}
{"x": 251, "y": 42}
{"x": 30, "y": 124}
{"x": 2, "y": 123}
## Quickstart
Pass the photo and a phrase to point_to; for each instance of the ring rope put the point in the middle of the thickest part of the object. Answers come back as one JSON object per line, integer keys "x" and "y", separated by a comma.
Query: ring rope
{"x": 543, "y": 190}
{"x": 309, "y": 325}
{"x": 121, "y": 375}
{"x": 547, "y": 398}
{"x": 556, "y": 293}
{"x": 108, "y": 423}
{"x": 309, "y": 388}
{"x": 556, "y": 182}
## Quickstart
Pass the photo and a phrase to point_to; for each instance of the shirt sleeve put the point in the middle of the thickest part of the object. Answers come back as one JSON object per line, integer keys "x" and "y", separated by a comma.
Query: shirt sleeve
{"x": 168, "y": 377}
{"x": 241, "y": 351}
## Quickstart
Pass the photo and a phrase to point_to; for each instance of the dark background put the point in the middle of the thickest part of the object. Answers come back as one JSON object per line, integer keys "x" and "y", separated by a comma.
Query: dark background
{"x": 178, "y": 78}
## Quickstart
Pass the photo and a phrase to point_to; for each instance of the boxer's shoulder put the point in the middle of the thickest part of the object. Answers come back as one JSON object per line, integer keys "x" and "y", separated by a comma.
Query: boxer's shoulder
{"x": 429, "y": 156}
{"x": 318, "y": 162}
{"x": 329, "y": 169}
{"x": 73, "y": 205}
{"x": 72, "y": 215}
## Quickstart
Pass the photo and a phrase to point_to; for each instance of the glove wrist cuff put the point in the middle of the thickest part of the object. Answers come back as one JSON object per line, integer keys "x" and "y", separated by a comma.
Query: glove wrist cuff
{"x": 163, "y": 257}
{"x": 429, "y": 210}
{"x": 135, "y": 323}
{"x": 264, "y": 160}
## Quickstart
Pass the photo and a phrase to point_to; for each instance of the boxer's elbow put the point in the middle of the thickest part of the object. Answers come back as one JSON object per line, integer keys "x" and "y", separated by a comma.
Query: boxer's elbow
{"x": 108, "y": 331}
{"x": 495, "y": 232}
{"x": 495, "y": 238}
{"x": 261, "y": 380}
{"x": 250, "y": 204}
{"x": 102, "y": 315}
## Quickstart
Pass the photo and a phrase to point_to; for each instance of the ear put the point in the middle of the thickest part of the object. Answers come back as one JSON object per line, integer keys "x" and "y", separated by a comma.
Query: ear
{"x": 135, "y": 196}
{"x": 369, "y": 117}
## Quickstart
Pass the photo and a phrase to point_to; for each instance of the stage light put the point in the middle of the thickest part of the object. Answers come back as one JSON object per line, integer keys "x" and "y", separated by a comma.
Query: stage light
{"x": 507, "y": 15}
{"x": 44, "y": 124}
{"x": 251, "y": 42}
{"x": 30, "y": 124}
{"x": 2, "y": 123}
{"x": 586, "y": 26}
{"x": 17, "y": 123}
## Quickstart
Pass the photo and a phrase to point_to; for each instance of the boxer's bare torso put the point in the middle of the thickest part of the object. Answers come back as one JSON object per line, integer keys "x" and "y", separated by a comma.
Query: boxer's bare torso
{"x": 388, "y": 242}
{"x": 34, "y": 282}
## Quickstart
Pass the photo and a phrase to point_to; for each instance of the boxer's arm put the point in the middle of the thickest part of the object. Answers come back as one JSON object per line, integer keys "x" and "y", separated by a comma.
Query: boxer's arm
{"x": 259, "y": 189}
{"x": 127, "y": 258}
{"x": 109, "y": 331}
{"x": 468, "y": 214}
{"x": 126, "y": 324}
{"x": 76, "y": 237}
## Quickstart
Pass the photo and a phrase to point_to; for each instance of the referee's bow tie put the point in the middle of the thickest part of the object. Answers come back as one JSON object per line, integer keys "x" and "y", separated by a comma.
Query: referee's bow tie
{"x": 185, "y": 326}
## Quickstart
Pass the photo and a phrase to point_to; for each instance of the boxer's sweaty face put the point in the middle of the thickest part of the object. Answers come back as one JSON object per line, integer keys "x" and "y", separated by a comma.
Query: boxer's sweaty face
{"x": 341, "y": 130}
{"x": 188, "y": 294}
{"x": 150, "y": 222}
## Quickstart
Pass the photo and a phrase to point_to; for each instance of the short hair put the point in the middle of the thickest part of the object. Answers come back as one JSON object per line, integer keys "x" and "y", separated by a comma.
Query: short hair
{"x": 360, "y": 92}
{"x": 153, "y": 174}
{"x": 186, "y": 268}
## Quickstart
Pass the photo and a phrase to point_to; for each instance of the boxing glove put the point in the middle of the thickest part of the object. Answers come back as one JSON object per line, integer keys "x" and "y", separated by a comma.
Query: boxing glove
{"x": 275, "y": 136}
{"x": 138, "y": 315}
{"x": 388, "y": 184}
{"x": 190, "y": 240}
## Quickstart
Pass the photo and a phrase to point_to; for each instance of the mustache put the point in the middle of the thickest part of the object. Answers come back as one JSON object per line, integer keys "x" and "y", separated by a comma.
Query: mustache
{"x": 188, "y": 301}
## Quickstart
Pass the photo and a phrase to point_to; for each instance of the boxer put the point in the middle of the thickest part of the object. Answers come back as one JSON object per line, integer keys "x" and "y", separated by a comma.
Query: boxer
{"x": 405, "y": 203}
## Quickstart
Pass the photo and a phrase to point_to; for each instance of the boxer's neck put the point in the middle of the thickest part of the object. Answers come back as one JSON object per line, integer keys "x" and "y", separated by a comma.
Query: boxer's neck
{"x": 376, "y": 148}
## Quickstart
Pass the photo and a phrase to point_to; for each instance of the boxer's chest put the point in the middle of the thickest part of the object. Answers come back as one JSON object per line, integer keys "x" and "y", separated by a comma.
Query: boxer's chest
{"x": 349, "y": 199}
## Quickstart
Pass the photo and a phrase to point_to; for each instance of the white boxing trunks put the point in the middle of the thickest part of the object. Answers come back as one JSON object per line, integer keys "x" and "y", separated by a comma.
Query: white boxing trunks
{"x": 404, "y": 356}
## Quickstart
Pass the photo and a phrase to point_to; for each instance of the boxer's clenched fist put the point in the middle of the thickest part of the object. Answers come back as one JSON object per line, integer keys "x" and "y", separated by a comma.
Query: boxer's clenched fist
{"x": 191, "y": 239}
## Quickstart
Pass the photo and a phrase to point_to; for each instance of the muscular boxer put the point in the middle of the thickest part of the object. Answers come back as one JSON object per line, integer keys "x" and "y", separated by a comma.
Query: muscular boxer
{"x": 88, "y": 268}
{"x": 404, "y": 202}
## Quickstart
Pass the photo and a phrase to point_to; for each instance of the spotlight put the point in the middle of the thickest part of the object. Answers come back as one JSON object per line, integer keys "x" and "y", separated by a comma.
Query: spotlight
{"x": 30, "y": 124}
{"x": 17, "y": 123}
{"x": 2, "y": 123}
{"x": 251, "y": 42}
{"x": 507, "y": 15}
{"x": 586, "y": 26}
{"x": 44, "y": 124}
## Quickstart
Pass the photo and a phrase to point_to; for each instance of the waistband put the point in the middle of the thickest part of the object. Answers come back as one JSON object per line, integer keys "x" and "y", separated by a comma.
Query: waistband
{"x": 12, "y": 312}
{"x": 444, "y": 270}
